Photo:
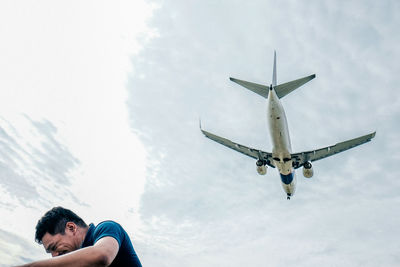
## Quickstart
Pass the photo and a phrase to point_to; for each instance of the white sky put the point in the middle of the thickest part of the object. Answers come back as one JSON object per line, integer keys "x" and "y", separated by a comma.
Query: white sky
{"x": 99, "y": 109}
{"x": 67, "y": 63}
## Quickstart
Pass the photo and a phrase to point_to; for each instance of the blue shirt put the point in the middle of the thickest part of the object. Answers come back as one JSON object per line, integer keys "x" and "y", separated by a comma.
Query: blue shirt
{"x": 126, "y": 255}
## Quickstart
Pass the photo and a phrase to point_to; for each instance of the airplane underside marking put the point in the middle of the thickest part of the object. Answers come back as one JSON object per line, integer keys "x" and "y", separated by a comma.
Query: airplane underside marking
{"x": 287, "y": 179}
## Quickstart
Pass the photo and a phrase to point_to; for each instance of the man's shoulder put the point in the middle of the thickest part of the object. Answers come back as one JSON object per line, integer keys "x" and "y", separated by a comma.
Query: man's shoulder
{"x": 126, "y": 255}
{"x": 109, "y": 228}
{"x": 108, "y": 223}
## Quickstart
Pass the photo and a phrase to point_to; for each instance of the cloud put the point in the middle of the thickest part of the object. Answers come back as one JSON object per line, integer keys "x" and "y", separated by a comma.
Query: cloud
{"x": 33, "y": 160}
{"x": 35, "y": 172}
{"x": 16, "y": 250}
{"x": 203, "y": 203}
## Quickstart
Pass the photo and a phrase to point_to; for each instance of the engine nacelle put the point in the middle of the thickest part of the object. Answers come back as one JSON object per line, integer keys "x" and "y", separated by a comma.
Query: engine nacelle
{"x": 261, "y": 167}
{"x": 308, "y": 170}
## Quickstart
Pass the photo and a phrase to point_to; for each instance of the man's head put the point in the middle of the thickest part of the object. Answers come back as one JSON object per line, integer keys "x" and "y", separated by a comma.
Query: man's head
{"x": 60, "y": 231}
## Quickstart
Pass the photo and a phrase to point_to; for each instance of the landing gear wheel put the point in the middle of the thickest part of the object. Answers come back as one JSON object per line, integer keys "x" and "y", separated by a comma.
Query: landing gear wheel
{"x": 288, "y": 198}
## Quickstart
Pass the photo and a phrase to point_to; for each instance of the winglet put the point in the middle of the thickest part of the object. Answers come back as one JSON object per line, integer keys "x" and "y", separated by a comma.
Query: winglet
{"x": 372, "y": 135}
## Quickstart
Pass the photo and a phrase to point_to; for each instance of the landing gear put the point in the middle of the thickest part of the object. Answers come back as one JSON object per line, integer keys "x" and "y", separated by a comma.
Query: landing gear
{"x": 288, "y": 196}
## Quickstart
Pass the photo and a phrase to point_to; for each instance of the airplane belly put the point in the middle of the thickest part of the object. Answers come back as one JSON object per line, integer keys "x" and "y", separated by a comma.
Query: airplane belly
{"x": 280, "y": 138}
{"x": 281, "y": 151}
{"x": 278, "y": 128}
{"x": 285, "y": 168}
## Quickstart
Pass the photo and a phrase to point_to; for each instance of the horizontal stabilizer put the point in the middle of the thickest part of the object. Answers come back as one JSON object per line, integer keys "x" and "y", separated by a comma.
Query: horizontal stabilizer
{"x": 260, "y": 89}
{"x": 285, "y": 88}
{"x": 281, "y": 90}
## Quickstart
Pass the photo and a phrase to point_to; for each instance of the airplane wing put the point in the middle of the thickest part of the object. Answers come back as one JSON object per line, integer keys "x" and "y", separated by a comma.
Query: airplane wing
{"x": 300, "y": 158}
{"x": 251, "y": 152}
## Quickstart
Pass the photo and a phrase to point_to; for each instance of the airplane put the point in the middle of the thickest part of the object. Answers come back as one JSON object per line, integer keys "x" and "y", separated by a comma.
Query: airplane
{"x": 281, "y": 156}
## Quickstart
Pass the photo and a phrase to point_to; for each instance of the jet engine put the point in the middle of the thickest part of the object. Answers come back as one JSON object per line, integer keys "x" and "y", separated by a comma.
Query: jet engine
{"x": 308, "y": 170}
{"x": 261, "y": 167}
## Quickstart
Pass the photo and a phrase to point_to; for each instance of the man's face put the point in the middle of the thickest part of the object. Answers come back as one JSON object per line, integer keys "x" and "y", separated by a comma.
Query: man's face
{"x": 60, "y": 244}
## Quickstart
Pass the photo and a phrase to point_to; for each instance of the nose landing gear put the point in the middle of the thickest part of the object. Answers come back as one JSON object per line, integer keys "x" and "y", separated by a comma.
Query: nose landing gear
{"x": 288, "y": 196}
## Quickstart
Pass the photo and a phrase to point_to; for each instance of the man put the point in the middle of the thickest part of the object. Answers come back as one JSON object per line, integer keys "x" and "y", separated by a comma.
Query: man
{"x": 73, "y": 243}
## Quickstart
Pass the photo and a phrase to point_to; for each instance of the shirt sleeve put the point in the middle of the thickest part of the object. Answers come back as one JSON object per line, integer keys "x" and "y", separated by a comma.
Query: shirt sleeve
{"x": 108, "y": 228}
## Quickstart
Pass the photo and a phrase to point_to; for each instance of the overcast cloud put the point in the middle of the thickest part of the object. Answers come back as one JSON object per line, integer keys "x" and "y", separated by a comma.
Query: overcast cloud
{"x": 204, "y": 204}
{"x": 117, "y": 125}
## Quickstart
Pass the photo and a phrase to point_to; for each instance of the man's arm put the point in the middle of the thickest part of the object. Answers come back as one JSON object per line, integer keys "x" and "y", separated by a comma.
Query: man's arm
{"x": 100, "y": 254}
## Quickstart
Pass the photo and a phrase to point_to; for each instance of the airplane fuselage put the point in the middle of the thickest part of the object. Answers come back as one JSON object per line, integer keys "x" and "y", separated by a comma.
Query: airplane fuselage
{"x": 281, "y": 151}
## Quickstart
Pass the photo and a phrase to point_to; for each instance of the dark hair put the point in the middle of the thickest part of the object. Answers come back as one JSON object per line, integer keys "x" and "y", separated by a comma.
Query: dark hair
{"x": 54, "y": 222}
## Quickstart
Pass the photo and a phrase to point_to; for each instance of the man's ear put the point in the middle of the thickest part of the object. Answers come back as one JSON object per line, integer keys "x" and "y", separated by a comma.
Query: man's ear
{"x": 70, "y": 227}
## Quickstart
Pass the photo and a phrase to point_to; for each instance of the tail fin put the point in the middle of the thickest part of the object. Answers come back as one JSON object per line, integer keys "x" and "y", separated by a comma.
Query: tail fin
{"x": 281, "y": 89}
{"x": 274, "y": 71}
